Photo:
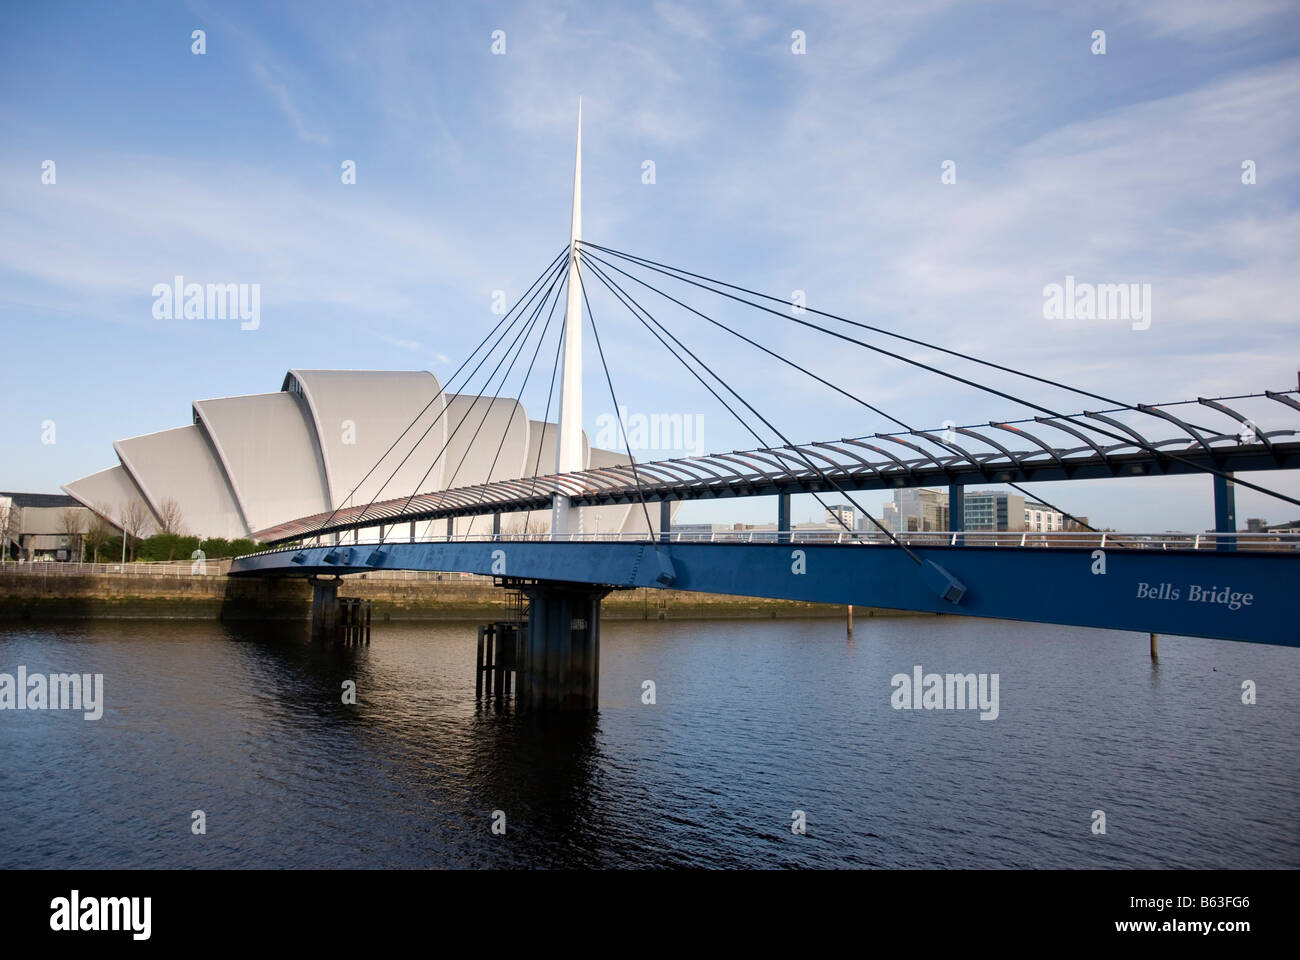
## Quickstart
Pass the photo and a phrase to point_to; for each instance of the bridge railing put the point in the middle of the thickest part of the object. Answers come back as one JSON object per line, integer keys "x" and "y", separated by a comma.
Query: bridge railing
{"x": 142, "y": 568}
{"x": 1288, "y": 542}
{"x": 189, "y": 568}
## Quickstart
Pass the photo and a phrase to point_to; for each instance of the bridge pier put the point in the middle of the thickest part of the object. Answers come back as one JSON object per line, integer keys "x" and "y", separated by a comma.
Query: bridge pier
{"x": 324, "y": 607}
{"x": 560, "y": 665}
{"x": 783, "y": 518}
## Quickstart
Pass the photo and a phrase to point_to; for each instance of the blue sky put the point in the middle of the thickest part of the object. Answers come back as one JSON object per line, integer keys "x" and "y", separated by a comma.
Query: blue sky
{"x": 818, "y": 172}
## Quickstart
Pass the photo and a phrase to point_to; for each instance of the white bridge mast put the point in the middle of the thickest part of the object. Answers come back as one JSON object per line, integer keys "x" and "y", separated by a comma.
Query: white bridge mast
{"x": 568, "y": 448}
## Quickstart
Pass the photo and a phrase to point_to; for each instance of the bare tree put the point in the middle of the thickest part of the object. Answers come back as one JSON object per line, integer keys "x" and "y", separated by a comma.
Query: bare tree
{"x": 169, "y": 516}
{"x": 11, "y": 527}
{"x": 99, "y": 530}
{"x": 134, "y": 518}
{"x": 73, "y": 523}
{"x": 518, "y": 525}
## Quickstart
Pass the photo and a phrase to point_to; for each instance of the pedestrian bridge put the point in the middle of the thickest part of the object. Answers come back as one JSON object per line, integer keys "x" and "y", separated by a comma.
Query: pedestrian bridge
{"x": 1224, "y": 585}
{"x": 1158, "y": 583}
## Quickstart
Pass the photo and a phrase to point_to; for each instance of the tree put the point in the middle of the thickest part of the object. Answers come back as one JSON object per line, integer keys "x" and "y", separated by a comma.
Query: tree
{"x": 169, "y": 517}
{"x": 72, "y": 523}
{"x": 133, "y": 519}
{"x": 99, "y": 530}
{"x": 11, "y": 526}
{"x": 530, "y": 525}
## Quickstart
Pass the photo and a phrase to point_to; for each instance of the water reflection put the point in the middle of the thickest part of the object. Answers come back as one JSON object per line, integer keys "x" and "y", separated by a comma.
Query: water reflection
{"x": 751, "y": 721}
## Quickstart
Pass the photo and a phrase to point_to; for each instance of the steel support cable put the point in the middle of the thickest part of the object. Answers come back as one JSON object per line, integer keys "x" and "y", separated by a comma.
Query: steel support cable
{"x": 737, "y": 333}
{"x": 807, "y": 461}
{"x": 951, "y": 448}
{"x": 321, "y": 528}
{"x": 550, "y": 317}
{"x": 987, "y": 389}
{"x": 787, "y": 360}
{"x": 518, "y": 349}
{"x": 434, "y": 422}
{"x": 649, "y": 527}
{"x": 663, "y": 269}
{"x": 442, "y": 387}
{"x": 678, "y": 271}
{"x": 555, "y": 273}
{"x": 550, "y": 395}
{"x": 491, "y": 376}
{"x": 907, "y": 427}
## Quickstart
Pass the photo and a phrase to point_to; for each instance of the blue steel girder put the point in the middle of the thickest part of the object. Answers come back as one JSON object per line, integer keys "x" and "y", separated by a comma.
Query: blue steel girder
{"x": 1247, "y": 596}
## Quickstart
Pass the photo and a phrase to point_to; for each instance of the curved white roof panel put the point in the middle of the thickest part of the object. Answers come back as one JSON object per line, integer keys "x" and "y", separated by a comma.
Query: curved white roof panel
{"x": 180, "y": 465}
{"x": 333, "y": 438}
{"x": 266, "y": 443}
{"x": 617, "y": 517}
{"x": 107, "y": 492}
{"x": 540, "y": 462}
{"x": 358, "y": 415}
{"x": 476, "y": 451}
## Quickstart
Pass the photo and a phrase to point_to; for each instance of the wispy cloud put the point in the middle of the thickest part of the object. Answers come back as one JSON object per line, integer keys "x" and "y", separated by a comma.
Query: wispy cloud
{"x": 280, "y": 96}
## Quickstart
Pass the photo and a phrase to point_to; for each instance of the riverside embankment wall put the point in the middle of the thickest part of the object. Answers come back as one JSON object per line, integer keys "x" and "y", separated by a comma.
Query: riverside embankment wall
{"x": 34, "y": 596}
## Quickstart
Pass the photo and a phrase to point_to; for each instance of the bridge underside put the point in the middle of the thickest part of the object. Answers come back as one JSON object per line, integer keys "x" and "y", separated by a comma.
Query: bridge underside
{"x": 1228, "y": 596}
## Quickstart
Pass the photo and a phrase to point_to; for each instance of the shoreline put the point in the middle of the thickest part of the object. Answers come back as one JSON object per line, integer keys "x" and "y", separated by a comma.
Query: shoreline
{"x": 220, "y": 598}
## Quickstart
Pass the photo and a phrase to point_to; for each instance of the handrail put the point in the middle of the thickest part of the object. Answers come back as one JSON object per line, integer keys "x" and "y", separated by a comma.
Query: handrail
{"x": 1005, "y": 539}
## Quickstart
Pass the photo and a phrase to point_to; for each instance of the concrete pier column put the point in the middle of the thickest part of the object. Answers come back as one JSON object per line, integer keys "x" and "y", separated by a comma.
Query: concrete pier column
{"x": 560, "y": 668}
{"x": 783, "y": 517}
{"x": 324, "y": 608}
{"x": 665, "y": 520}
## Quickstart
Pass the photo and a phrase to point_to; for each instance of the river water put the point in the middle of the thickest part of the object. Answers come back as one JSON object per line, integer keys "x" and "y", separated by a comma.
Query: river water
{"x": 752, "y": 721}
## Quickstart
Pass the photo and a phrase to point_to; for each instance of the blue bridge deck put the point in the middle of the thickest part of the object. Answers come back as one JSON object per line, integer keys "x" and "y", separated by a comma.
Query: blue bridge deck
{"x": 1152, "y": 585}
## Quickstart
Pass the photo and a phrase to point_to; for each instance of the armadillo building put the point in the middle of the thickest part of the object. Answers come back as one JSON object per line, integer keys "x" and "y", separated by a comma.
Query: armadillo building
{"x": 330, "y": 439}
